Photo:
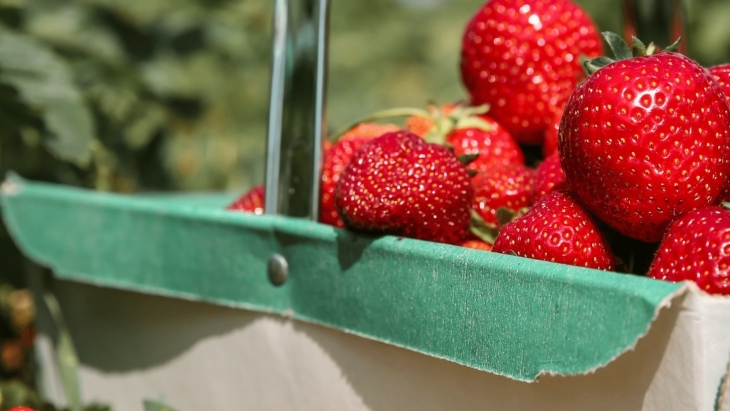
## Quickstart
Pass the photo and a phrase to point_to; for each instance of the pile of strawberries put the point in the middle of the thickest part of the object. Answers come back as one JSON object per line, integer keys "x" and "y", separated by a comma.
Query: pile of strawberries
{"x": 635, "y": 153}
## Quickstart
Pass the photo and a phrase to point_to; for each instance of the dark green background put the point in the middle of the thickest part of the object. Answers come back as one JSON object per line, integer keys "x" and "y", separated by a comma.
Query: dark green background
{"x": 179, "y": 88}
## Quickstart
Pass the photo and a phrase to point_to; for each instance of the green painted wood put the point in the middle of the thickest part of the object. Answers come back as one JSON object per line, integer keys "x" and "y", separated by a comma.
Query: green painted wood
{"x": 507, "y": 315}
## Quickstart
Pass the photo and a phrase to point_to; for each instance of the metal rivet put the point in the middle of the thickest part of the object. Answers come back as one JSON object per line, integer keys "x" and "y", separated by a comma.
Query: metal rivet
{"x": 278, "y": 269}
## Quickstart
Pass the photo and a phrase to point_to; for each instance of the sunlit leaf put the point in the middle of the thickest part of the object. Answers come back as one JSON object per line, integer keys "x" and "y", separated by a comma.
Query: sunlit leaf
{"x": 156, "y": 406}
{"x": 44, "y": 82}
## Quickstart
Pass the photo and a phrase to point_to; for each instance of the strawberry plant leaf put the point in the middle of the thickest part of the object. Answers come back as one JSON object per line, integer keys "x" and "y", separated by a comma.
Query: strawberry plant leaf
{"x": 44, "y": 82}
{"x": 66, "y": 357}
{"x": 97, "y": 407}
{"x": 150, "y": 405}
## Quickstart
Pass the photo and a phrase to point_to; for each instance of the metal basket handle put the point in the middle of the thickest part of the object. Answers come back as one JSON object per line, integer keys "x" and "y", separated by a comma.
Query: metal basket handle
{"x": 297, "y": 124}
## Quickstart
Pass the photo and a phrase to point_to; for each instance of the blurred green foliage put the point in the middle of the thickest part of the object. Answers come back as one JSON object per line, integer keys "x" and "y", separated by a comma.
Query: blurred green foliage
{"x": 175, "y": 91}
{"x": 172, "y": 94}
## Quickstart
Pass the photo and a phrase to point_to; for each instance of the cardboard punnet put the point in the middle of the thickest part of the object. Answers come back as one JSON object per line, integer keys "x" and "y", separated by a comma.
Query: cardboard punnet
{"x": 549, "y": 336}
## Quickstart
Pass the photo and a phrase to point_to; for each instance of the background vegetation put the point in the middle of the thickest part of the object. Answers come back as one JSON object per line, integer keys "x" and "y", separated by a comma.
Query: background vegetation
{"x": 172, "y": 94}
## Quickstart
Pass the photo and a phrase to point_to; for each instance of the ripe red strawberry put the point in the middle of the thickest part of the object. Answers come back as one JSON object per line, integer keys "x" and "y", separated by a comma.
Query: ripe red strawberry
{"x": 400, "y": 184}
{"x": 721, "y": 74}
{"x": 645, "y": 140}
{"x": 494, "y": 146}
{"x": 336, "y": 158}
{"x": 696, "y": 247}
{"x": 21, "y": 409}
{"x": 522, "y": 57}
{"x": 492, "y": 142}
{"x": 557, "y": 228}
{"x": 550, "y": 145}
{"x": 509, "y": 186}
{"x": 476, "y": 245}
{"x": 549, "y": 177}
{"x": 251, "y": 202}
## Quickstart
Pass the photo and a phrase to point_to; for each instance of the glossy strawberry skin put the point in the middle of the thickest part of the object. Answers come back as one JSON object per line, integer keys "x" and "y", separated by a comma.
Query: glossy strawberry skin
{"x": 696, "y": 247}
{"x": 399, "y": 184}
{"x": 646, "y": 140}
{"x": 522, "y": 57}
{"x": 509, "y": 186}
{"x": 549, "y": 177}
{"x": 336, "y": 158}
{"x": 494, "y": 147}
{"x": 251, "y": 202}
{"x": 550, "y": 145}
{"x": 721, "y": 74}
{"x": 558, "y": 229}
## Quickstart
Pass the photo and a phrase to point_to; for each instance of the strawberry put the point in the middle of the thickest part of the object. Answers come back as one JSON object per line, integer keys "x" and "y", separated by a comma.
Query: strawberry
{"x": 251, "y": 202}
{"x": 645, "y": 140}
{"x": 422, "y": 125}
{"x": 368, "y": 131}
{"x": 468, "y": 134}
{"x": 557, "y": 228}
{"x": 696, "y": 247}
{"x": 721, "y": 74}
{"x": 336, "y": 159}
{"x": 21, "y": 409}
{"x": 549, "y": 177}
{"x": 398, "y": 183}
{"x": 522, "y": 58}
{"x": 550, "y": 145}
{"x": 505, "y": 186}
{"x": 476, "y": 245}
{"x": 494, "y": 145}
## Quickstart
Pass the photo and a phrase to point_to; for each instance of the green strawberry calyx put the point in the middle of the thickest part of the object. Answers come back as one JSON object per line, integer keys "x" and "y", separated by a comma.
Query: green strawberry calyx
{"x": 623, "y": 51}
{"x": 380, "y": 116}
{"x": 481, "y": 229}
{"x": 461, "y": 117}
{"x": 488, "y": 232}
